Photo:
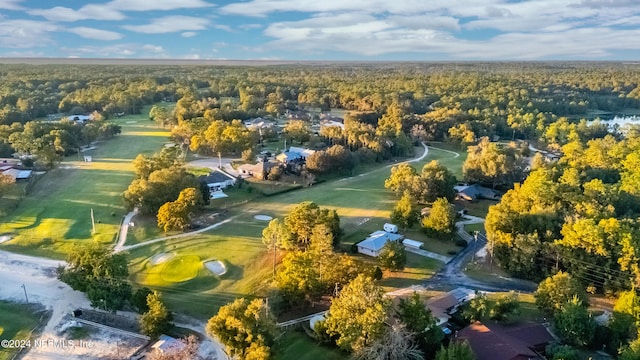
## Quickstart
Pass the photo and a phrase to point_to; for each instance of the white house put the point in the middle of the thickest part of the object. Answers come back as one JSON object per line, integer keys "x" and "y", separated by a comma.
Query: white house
{"x": 79, "y": 118}
{"x": 375, "y": 242}
{"x": 218, "y": 180}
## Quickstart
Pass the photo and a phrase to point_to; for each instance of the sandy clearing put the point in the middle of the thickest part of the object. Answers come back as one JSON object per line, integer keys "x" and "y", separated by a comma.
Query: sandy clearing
{"x": 216, "y": 267}
{"x": 263, "y": 217}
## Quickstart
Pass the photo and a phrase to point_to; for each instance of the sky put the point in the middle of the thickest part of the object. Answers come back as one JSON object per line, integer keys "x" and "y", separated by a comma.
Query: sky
{"x": 353, "y": 30}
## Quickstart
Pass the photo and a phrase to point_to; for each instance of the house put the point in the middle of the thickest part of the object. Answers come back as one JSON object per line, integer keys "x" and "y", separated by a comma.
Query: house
{"x": 167, "y": 343}
{"x": 80, "y": 119}
{"x": 258, "y": 123}
{"x": 218, "y": 180}
{"x": 475, "y": 192}
{"x": 448, "y": 303}
{"x": 259, "y": 170}
{"x": 330, "y": 123}
{"x": 496, "y": 342}
{"x": 294, "y": 154}
{"x": 17, "y": 174}
{"x": 373, "y": 244}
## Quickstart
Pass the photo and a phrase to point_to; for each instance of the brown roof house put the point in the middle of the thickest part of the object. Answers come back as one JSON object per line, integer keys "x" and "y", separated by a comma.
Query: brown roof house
{"x": 259, "y": 170}
{"x": 448, "y": 303}
{"x": 496, "y": 342}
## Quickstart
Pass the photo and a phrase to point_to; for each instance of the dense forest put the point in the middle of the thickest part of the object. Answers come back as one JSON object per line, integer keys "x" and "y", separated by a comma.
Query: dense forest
{"x": 572, "y": 200}
{"x": 390, "y": 104}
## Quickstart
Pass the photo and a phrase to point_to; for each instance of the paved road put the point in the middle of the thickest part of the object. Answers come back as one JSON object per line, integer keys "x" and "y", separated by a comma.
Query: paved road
{"x": 452, "y": 273}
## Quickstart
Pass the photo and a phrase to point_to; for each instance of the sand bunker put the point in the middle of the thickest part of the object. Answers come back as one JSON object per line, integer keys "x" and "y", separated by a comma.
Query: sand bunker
{"x": 130, "y": 122}
{"x": 5, "y": 238}
{"x": 160, "y": 258}
{"x": 216, "y": 267}
{"x": 263, "y": 217}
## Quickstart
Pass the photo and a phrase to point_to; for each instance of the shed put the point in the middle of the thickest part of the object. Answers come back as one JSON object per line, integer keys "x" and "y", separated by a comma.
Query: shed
{"x": 412, "y": 244}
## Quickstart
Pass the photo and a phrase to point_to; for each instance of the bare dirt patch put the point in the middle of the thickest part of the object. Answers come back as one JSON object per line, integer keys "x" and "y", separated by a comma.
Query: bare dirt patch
{"x": 216, "y": 267}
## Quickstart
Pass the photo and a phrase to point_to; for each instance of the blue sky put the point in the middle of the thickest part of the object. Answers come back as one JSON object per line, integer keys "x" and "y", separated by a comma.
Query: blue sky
{"x": 323, "y": 29}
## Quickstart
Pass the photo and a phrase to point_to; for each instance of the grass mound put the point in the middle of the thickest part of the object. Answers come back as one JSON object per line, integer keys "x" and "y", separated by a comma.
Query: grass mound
{"x": 181, "y": 268}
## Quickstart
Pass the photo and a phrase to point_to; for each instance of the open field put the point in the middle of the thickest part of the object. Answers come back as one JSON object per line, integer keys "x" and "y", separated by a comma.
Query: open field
{"x": 56, "y": 214}
{"x": 17, "y": 321}
{"x": 296, "y": 345}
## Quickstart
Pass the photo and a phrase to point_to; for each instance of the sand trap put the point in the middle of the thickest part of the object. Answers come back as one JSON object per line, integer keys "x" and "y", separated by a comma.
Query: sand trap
{"x": 216, "y": 267}
{"x": 263, "y": 217}
{"x": 130, "y": 122}
{"x": 5, "y": 238}
{"x": 160, "y": 258}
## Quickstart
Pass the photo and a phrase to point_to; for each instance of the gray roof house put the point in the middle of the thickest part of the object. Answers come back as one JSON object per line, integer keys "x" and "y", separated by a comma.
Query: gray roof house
{"x": 373, "y": 244}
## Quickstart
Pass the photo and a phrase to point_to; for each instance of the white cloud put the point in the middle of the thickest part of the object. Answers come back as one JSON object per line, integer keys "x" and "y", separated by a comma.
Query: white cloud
{"x": 11, "y": 4}
{"x": 23, "y": 54}
{"x": 368, "y": 35}
{"x": 149, "y": 5}
{"x": 96, "y": 34}
{"x": 170, "y": 24}
{"x": 406, "y": 7}
{"x": 226, "y": 28}
{"x": 25, "y": 33}
{"x": 153, "y": 48}
{"x": 250, "y": 26}
{"x": 117, "y": 50}
{"x": 87, "y": 12}
{"x": 188, "y": 34}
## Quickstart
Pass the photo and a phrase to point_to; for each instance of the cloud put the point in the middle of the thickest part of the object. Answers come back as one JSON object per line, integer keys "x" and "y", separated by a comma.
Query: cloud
{"x": 404, "y": 7}
{"x": 188, "y": 34}
{"x": 87, "y": 12}
{"x": 11, "y": 4}
{"x": 149, "y": 5}
{"x": 250, "y": 26}
{"x": 153, "y": 48}
{"x": 368, "y": 35}
{"x": 25, "y": 33}
{"x": 116, "y": 50}
{"x": 96, "y": 34}
{"x": 169, "y": 24}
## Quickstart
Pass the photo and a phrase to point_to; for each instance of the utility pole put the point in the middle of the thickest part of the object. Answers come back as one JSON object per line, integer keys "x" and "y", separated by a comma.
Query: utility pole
{"x": 25, "y": 293}
{"x": 475, "y": 245}
{"x": 219, "y": 160}
{"x": 93, "y": 223}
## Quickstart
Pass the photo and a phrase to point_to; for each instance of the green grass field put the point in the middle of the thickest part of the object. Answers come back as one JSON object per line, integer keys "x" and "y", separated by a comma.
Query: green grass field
{"x": 17, "y": 321}
{"x": 295, "y": 345}
{"x": 362, "y": 203}
{"x": 56, "y": 214}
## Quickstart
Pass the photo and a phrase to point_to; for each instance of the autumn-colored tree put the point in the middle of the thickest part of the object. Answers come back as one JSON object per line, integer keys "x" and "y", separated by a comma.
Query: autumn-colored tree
{"x": 556, "y": 291}
{"x": 357, "y": 315}
{"x": 405, "y": 213}
{"x": 441, "y": 221}
{"x": 393, "y": 256}
{"x": 246, "y": 328}
{"x": 157, "y": 320}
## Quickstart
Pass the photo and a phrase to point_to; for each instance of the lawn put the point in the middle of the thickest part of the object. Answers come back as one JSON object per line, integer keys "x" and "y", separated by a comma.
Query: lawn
{"x": 418, "y": 269}
{"x": 361, "y": 201}
{"x": 442, "y": 247}
{"x": 528, "y": 309}
{"x": 17, "y": 321}
{"x": 237, "y": 244}
{"x": 296, "y": 345}
{"x": 56, "y": 215}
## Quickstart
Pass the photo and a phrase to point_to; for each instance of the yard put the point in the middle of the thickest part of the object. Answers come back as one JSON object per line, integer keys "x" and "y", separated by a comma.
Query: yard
{"x": 56, "y": 215}
{"x": 17, "y": 322}
{"x": 296, "y": 345}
